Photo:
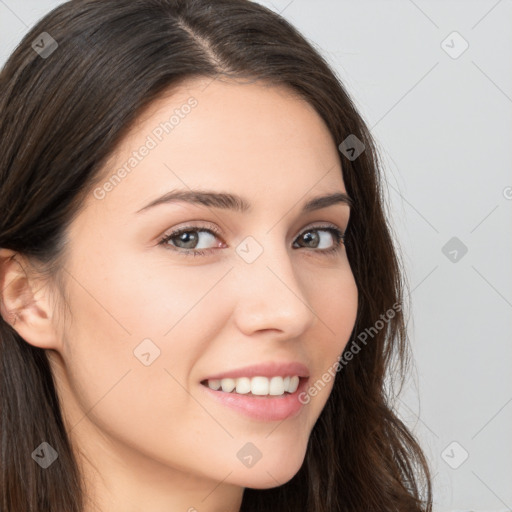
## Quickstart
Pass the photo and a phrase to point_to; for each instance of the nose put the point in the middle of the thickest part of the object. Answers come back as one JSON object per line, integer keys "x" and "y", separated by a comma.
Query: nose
{"x": 270, "y": 296}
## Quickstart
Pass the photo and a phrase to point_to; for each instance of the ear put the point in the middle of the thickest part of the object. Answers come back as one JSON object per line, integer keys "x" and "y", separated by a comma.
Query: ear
{"x": 24, "y": 301}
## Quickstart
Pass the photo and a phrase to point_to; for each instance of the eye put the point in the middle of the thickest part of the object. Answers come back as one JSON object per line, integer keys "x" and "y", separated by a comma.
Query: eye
{"x": 318, "y": 236}
{"x": 188, "y": 242}
{"x": 188, "y": 238}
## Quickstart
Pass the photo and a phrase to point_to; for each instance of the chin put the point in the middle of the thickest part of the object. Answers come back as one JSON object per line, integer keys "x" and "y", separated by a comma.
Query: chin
{"x": 269, "y": 476}
{"x": 266, "y": 481}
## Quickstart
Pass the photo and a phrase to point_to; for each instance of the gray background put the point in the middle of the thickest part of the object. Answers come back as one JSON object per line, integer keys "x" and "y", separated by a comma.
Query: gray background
{"x": 443, "y": 123}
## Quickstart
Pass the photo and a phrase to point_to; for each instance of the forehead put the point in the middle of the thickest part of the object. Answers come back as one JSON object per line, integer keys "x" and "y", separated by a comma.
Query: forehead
{"x": 248, "y": 137}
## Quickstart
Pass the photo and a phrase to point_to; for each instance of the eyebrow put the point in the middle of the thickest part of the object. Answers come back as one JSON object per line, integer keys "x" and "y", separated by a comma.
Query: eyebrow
{"x": 237, "y": 203}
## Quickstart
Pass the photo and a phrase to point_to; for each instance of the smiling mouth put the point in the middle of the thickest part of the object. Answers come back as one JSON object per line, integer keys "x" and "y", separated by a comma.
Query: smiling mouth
{"x": 256, "y": 386}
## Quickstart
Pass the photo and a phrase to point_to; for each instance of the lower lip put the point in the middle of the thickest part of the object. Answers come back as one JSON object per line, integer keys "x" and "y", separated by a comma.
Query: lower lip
{"x": 264, "y": 408}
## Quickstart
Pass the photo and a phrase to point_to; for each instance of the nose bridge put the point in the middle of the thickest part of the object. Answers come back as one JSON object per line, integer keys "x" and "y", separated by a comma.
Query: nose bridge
{"x": 271, "y": 295}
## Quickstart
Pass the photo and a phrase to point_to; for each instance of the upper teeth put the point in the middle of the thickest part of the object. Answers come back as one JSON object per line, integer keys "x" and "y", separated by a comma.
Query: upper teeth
{"x": 256, "y": 385}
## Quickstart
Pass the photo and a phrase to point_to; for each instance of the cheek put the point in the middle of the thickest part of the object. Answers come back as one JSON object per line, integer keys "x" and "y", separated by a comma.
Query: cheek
{"x": 336, "y": 302}
{"x": 133, "y": 297}
{"x": 121, "y": 396}
{"x": 135, "y": 316}
{"x": 336, "y": 306}
{"x": 154, "y": 297}
{"x": 136, "y": 328}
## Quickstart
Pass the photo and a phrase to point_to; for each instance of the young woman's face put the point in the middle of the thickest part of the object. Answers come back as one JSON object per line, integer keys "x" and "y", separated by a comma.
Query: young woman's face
{"x": 150, "y": 321}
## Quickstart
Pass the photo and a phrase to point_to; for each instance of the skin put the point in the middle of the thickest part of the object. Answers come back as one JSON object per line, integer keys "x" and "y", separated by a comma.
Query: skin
{"x": 147, "y": 436}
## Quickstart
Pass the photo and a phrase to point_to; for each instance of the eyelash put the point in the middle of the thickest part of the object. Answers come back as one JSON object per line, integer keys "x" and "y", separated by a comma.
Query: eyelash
{"x": 339, "y": 240}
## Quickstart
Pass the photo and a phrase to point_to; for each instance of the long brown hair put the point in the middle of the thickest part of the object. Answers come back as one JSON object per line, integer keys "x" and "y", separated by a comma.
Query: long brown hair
{"x": 64, "y": 109}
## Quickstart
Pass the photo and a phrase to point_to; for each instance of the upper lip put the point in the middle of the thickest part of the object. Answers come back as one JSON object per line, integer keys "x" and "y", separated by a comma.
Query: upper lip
{"x": 270, "y": 369}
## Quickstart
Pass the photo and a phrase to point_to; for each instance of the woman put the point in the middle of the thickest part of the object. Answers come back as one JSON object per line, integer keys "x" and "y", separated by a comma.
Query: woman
{"x": 200, "y": 294}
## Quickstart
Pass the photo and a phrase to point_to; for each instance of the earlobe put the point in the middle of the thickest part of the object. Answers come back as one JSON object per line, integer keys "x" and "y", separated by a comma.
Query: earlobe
{"x": 24, "y": 301}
